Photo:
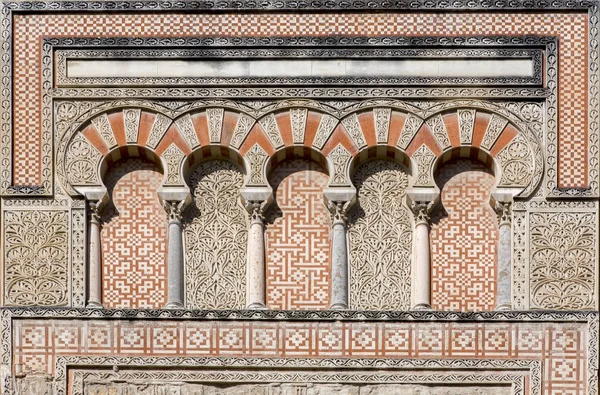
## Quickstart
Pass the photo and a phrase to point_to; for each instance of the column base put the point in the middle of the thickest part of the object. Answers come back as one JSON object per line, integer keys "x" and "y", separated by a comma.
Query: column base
{"x": 338, "y": 306}
{"x": 422, "y": 307}
{"x": 94, "y": 305}
{"x": 503, "y": 307}
{"x": 174, "y": 305}
{"x": 256, "y": 306}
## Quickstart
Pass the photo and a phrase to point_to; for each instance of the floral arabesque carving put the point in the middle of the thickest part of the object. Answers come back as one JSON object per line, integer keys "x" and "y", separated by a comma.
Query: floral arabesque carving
{"x": 380, "y": 237}
{"x": 424, "y": 159}
{"x": 340, "y": 158}
{"x": 173, "y": 156}
{"x": 516, "y": 162}
{"x": 82, "y": 161}
{"x": 257, "y": 157}
{"x": 36, "y": 258}
{"x": 563, "y": 260}
{"x": 215, "y": 238}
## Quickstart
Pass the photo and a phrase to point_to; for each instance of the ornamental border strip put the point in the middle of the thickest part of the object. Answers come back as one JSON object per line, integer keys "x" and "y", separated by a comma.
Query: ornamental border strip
{"x": 64, "y": 81}
{"x": 328, "y": 366}
{"x": 8, "y": 314}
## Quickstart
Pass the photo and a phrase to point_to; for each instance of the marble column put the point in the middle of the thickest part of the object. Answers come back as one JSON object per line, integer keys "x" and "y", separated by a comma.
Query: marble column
{"x": 95, "y": 257}
{"x": 255, "y": 270}
{"x": 504, "y": 297}
{"x": 422, "y": 256}
{"x": 339, "y": 256}
{"x": 176, "y": 285}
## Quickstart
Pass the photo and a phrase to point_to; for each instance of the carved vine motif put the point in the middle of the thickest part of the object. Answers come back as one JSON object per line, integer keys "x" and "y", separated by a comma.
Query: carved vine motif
{"x": 298, "y": 121}
{"x": 257, "y": 158}
{"x": 186, "y": 127}
{"x": 562, "y": 260}
{"x": 82, "y": 159}
{"x": 438, "y": 128}
{"x": 516, "y": 162}
{"x": 466, "y": 123}
{"x": 410, "y": 129}
{"x": 382, "y": 123}
{"x": 494, "y": 129}
{"x": 242, "y": 128}
{"x": 36, "y": 257}
{"x": 326, "y": 127}
{"x": 132, "y": 124}
{"x": 380, "y": 236}
{"x": 340, "y": 158}
{"x": 215, "y": 237}
{"x": 215, "y": 123}
{"x": 424, "y": 158}
{"x": 352, "y": 126}
{"x": 269, "y": 125}
{"x": 173, "y": 156}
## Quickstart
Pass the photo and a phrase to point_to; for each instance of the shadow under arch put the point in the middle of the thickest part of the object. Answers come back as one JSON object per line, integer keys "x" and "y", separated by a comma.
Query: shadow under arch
{"x": 464, "y": 233}
{"x": 298, "y": 228}
{"x": 134, "y": 231}
{"x": 380, "y": 231}
{"x": 208, "y": 153}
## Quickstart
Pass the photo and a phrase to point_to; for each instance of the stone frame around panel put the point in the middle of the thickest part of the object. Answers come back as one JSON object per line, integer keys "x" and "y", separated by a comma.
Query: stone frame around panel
{"x": 349, "y": 367}
{"x": 64, "y": 81}
{"x": 8, "y": 8}
{"x": 7, "y": 315}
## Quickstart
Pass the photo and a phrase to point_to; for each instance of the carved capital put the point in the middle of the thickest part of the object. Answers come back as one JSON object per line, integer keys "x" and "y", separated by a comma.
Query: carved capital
{"x": 503, "y": 212}
{"x": 422, "y": 211}
{"x": 339, "y": 211}
{"x": 95, "y": 211}
{"x": 174, "y": 209}
{"x": 256, "y": 209}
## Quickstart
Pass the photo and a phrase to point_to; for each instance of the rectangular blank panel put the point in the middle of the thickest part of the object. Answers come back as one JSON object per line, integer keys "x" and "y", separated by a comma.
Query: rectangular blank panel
{"x": 298, "y": 68}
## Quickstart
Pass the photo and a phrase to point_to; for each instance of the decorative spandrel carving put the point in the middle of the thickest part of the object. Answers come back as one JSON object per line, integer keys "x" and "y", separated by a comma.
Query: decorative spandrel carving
{"x": 298, "y": 122}
{"x": 438, "y": 129}
{"x": 132, "y": 124}
{"x": 159, "y": 128}
{"x": 424, "y": 158}
{"x": 215, "y": 238}
{"x": 409, "y": 130}
{"x": 340, "y": 158}
{"x": 187, "y": 130}
{"x": 381, "y": 118}
{"x": 352, "y": 126}
{"x": 380, "y": 236}
{"x": 173, "y": 156}
{"x": 493, "y": 131}
{"x": 214, "y": 117}
{"x": 326, "y": 127}
{"x": 242, "y": 128}
{"x": 36, "y": 270}
{"x": 269, "y": 125}
{"x": 563, "y": 260}
{"x": 102, "y": 125}
{"x": 257, "y": 158}
{"x": 82, "y": 162}
{"x": 516, "y": 162}
{"x": 466, "y": 124}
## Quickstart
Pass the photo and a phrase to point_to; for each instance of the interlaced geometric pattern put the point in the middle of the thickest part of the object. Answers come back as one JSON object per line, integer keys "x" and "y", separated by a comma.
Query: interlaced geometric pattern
{"x": 561, "y": 348}
{"x": 571, "y": 30}
{"x": 464, "y": 240}
{"x": 297, "y": 238}
{"x": 134, "y": 236}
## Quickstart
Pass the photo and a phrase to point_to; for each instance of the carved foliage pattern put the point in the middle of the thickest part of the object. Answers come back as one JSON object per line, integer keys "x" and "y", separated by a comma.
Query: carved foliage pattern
{"x": 173, "y": 156}
{"x": 269, "y": 125}
{"x": 382, "y": 123}
{"x": 102, "y": 125}
{"x": 380, "y": 238}
{"x": 257, "y": 158}
{"x": 424, "y": 158}
{"x": 466, "y": 122}
{"x": 215, "y": 238}
{"x": 298, "y": 121}
{"x": 82, "y": 161}
{"x": 562, "y": 260}
{"x": 214, "y": 118}
{"x": 410, "y": 129}
{"x": 438, "y": 128}
{"x": 132, "y": 124}
{"x": 494, "y": 129}
{"x": 516, "y": 162}
{"x": 340, "y": 158}
{"x": 243, "y": 126}
{"x": 186, "y": 127}
{"x": 352, "y": 126}
{"x": 36, "y": 257}
{"x": 326, "y": 127}
{"x": 159, "y": 128}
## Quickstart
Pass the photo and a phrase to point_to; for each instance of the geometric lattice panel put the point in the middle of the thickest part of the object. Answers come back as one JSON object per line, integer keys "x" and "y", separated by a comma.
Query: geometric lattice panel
{"x": 464, "y": 240}
{"x": 297, "y": 238}
{"x": 134, "y": 270}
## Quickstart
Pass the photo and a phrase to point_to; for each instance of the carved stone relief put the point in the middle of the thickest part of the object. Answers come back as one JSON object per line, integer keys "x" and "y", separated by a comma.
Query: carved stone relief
{"x": 132, "y": 124}
{"x": 215, "y": 238}
{"x": 173, "y": 156}
{"x": 424, "y": 158}
{"x": 292, "y": 389}
{"x": 242, "y": 128}
{"x": 438, "y": 129}
{"x": 326, "y": 127}
{"x": 382, "y": 123}
{"x": 187, "y": 130}
{"x": 102, "y": 125}
{"x": 257, "y": 158}
{"x": 214, "y": 117}
{"x": 466, "y": 123}
{"x": 380, "y": 236}
{"x": 36, "y": 258}
{"x": 409, "y": 130}
{"x": 82, "y": 161}
{"x": 159, "y": 128}
{"x": 352, "y": 126}
{"x": 340, "y": 158}
{"x": 516, "y": 162}
{"x": 298, "y": 122}
{"x": 494, "y": 129}
{"x": 269, "y": 125}
{"x": 563, "y": 260}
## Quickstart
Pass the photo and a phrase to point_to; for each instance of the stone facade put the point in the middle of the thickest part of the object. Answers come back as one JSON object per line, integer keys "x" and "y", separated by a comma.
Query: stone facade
{"x": 290, "y": 198}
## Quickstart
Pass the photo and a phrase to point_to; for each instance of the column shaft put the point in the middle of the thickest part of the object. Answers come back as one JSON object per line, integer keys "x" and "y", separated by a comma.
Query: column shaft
{"x": 504, "y": 296}
{"x": 175, "y": 287}
{"x": 95, "y": 263}
{"x": 339, "y": 257}
{"x": 255, "y": 270}
{"x": 422, "y": 276}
